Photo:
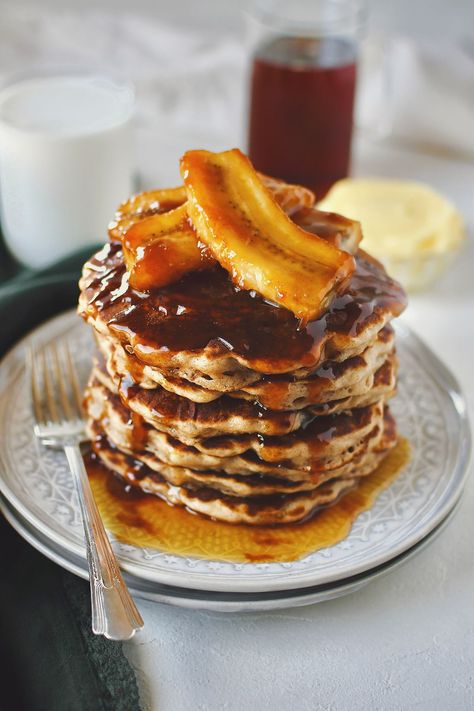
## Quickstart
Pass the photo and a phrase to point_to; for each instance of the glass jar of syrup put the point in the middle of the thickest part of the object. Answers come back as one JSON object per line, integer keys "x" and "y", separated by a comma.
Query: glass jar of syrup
{"x": 302, "y": 87}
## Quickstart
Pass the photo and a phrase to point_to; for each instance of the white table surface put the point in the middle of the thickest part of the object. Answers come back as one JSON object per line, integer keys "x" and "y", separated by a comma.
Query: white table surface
{"x": 405, "y": 641}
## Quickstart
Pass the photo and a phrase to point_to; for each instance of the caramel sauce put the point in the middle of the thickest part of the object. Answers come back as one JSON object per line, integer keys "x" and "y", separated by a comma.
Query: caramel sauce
{"x": 274, "y": 394}
{"x": 138, "y": 431}
{"x": 145, "y": 520}
{"x": 162, "y": 248}
{"x": 315, "y": 434}
{"x": 330, "y": 226}
{"x": 206, "y": 309}
{"x": 169, "y": 408}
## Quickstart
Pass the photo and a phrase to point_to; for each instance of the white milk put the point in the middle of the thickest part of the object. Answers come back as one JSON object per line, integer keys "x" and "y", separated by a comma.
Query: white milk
{"x": 65, "y": 163}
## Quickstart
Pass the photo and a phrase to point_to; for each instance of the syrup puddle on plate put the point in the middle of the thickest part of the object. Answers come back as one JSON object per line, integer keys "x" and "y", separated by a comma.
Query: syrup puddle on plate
{"x": 145, "y": 520}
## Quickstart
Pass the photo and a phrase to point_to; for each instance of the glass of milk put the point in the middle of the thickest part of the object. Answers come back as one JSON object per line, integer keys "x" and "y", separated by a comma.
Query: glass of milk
{"x": 65, "y": 162}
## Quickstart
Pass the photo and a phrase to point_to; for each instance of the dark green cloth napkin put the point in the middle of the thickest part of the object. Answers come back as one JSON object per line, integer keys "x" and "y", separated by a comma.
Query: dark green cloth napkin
{"x": 50, "y": 660}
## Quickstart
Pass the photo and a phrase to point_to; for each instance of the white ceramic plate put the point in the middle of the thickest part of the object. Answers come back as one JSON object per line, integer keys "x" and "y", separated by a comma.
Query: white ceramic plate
{"x": 430, "y": 410}
{"x": 219, "y": 601}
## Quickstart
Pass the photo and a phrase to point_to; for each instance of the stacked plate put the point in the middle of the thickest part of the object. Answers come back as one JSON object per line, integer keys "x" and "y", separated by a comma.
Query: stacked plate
{"x": 39, "y": 500}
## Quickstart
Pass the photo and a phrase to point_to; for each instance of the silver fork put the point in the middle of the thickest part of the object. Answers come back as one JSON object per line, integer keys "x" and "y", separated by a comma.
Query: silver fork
{"x": 57, "y": 404}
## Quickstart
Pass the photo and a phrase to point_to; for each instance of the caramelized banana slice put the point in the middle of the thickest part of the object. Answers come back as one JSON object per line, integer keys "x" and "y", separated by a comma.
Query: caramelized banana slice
{"x": 160, "y": 249}
{"x": 290, "y": 197}
{"x": 152, "y": 202}
{"x": 143, "y": 205}
{"x": 154, "y": 258}
{"x": 255, "y": 241}
{"x": 336, "y": 229}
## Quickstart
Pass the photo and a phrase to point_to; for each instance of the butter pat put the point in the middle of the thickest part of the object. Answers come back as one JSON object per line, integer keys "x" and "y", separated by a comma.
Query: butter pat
{"x": 412, "y": 229}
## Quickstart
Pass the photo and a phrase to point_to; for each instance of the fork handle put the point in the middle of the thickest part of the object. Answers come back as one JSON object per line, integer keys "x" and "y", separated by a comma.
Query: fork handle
{"x": 114, "y": 613}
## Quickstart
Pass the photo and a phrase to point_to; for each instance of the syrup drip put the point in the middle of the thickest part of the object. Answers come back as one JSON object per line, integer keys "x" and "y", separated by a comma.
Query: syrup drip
{"x": 169, "y": 408}
{"x": 315, "y": 434}
{"x": 144, "y": 520}
{"x": 206, "y": 309}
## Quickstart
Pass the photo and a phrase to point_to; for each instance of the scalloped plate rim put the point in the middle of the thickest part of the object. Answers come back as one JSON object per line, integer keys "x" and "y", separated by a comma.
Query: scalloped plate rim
{"x": 261, "y": 581}
{"x": 190, "y": 598}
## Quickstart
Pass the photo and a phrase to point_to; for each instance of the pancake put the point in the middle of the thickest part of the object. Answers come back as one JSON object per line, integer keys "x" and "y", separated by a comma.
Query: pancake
{"x": 277, "y": 509}
{"x": 259, "y": 485}
{"x": 189, "y": 421}
{"x": 250, "y": 485}
{"x": 251, "y": 510}
{"x": 383, "y": 387}
{"x": 206, "y": 330}
{"x": 331, "y": 381}
{"x": 308, "y": 453}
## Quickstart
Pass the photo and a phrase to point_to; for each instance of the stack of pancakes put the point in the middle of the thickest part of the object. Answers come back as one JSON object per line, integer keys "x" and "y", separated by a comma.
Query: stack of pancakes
{"x": 216, "y": 400}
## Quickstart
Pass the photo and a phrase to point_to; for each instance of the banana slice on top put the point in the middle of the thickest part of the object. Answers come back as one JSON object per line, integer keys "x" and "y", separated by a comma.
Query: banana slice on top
{"x": 160, "y": 249}
{"x": 248, "y": 233}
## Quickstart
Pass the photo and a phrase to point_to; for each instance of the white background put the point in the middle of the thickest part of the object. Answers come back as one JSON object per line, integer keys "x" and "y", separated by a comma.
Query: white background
{"x": 453, "y": 19}
{"x": 407, "y": 640}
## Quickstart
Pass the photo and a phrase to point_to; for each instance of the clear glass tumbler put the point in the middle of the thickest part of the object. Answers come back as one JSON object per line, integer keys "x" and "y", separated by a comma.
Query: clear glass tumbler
{"x": 66, "y": 161}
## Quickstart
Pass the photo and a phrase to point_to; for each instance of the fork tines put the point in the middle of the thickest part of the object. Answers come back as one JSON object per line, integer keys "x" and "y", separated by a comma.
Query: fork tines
{"x": 55, "y": 389}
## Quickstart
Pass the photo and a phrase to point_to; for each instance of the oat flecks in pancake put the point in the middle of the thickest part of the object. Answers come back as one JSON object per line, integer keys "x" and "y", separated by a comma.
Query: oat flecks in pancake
{"x": 235, "y": 500}
{"x": 189, "y": 421}
{"x": 327, "y": 444}
{"x": 332, "y": 381}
